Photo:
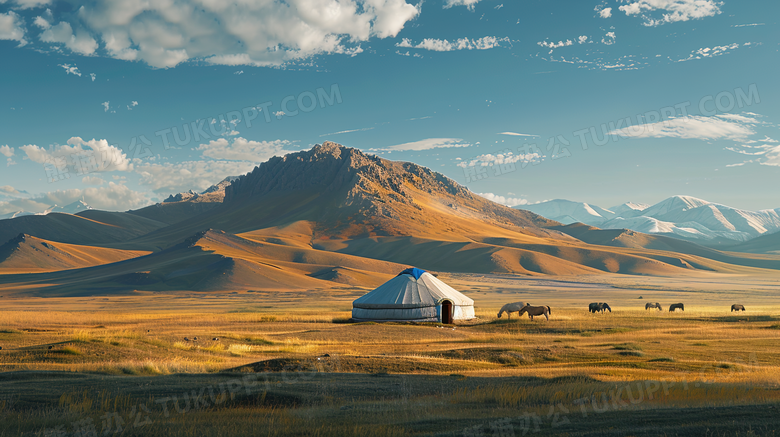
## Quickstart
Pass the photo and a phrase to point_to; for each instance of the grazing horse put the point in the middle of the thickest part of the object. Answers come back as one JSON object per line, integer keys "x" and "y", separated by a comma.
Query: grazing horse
{"x": 653, "y": 305}
{"x": 536, "y": 311}
{"x": 675, "y": 306}
{"x": 596, "y": 307}
{"x": 511, "y": 308}
{"x": 737, "y": 307}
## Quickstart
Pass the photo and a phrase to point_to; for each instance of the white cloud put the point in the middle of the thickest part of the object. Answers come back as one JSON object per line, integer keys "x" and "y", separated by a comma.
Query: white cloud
{"x": 79, "y": 156}
{"x": 657, "y": 12}
{"x": 71, "y": 69}
{"x": 170, "y": 178}
{"x": 29, "y": 4}
{"x": 241, "y": 149}
{"x": 582, "y": 39}
{"x": 164, "y": 34}
{"x": 93, "y": 76}
{"x": 443, "y": 45}
{"x": 347, "y": 131}
{"x": 517, "y": 134}
{"x": 114, "y": 197}
{"x": 467, "y": 3}
{"x": 604, "y": 13}
{"x": 609, "y": 38}
{"x": 7, "y": 189}
{"x": 7, "y": 151}
{"x": 41, "y": 22}
{"x": 555, "y": 45}
{"x": 507, "y": 157}
{"x": 711, "y": 52}
{"x": 430, "y": 143}
{"x": 718, "y": 127}
{"x": 79, "y": 42}
{"x": 508, "y": 201}
{"x": 92, "y": 180}
{"x": 105, "y": 106}
{"x": 12, "y": 28}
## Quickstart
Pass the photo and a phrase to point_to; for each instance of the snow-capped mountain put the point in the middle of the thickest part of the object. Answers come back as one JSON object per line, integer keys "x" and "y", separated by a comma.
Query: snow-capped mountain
{"x": 684, "y": 217}
{"x": 567, "y": 212}
{"x": 72, "y": 208}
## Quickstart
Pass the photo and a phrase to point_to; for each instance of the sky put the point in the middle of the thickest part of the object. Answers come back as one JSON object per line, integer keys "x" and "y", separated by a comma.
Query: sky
{"x": 124, "y": 102}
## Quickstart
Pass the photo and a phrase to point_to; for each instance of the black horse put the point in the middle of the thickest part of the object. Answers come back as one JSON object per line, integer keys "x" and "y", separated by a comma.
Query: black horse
{"x": 676, "y": 306}
{"x": 737, "y": 307}
{"x": 596, "y": 307}
{"x": 653, "y": 305}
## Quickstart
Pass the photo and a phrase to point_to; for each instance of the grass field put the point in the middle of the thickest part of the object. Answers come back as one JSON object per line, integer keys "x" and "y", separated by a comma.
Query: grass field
{"x": 292, "y": 366}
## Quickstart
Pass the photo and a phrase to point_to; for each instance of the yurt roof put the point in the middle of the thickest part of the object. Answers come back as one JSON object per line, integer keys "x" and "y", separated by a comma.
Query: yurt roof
{"x": 412, "y": 288}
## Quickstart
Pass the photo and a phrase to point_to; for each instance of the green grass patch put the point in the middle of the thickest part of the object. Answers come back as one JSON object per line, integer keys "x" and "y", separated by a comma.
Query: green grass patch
{"x": 68, "y": 350}
{"x": 627, "y": 347}
{"x": 631, "y": 353}
{"x": 9, "y": 331}
{"x": 661, "y": 360}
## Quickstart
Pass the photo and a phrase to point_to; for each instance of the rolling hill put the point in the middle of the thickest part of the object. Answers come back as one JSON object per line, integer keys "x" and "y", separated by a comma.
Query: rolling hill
{"x": 28, "y": 254}
{"x": 90, "y": 227}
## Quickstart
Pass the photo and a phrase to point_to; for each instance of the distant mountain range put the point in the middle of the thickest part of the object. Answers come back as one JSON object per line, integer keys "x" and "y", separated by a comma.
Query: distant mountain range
{"x": 334, "y": 215}
{"x": 73, "y": 208}
{"x": 682, "y": 217}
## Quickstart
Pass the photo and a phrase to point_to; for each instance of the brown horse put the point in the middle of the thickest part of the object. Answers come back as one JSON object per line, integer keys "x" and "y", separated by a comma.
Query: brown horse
{"x": 511, "y": 308}
{"x": 653, "y": 305}
{"x": 676, "y": 306}
{"x": 737, "y": 307}
{"x": 536, "y": 311}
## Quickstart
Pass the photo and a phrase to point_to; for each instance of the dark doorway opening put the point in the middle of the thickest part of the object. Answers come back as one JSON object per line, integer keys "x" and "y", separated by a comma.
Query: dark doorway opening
{"x": 446, "y": 312}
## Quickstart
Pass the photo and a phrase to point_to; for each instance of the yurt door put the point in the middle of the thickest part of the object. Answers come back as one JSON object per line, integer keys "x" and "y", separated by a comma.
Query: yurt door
{"x": 446, "y": 312}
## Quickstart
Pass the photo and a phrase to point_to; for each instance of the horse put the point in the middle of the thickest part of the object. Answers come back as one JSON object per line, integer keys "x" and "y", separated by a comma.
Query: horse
{"x": 536, "y": 311}
{"x": 675, "y": 306}
{"x": 511, "y": 308}
{"x": 596, "y": 307}
{"x": 737, "y": 307}
{"x": 653, "y": 305}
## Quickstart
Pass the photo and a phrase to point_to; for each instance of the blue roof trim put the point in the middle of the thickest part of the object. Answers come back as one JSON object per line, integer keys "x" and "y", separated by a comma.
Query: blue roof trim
{"x": 413, "y": 271}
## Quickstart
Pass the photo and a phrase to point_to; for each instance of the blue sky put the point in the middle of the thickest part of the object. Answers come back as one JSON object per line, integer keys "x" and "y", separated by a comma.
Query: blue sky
{"x": 501, "y": 96}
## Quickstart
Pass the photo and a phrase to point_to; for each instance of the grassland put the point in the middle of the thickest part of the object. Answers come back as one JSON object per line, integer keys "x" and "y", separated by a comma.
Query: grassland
{"x": 284, "y": 365}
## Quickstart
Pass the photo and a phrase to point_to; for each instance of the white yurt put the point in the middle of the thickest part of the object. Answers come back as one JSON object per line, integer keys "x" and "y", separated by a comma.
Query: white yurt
{"x": 413, "y": 296}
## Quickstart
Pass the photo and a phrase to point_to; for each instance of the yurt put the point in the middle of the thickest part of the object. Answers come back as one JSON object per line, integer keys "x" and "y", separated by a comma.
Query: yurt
{"x": 413, "y": 296}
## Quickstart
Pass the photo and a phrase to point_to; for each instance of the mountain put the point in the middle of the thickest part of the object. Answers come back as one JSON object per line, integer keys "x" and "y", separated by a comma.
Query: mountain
{"x": 89, "y": 227}
{"x": 214, "y": 193}
{"x": 684, "y": 217}
{"x": 769, "y": 244}
{"x": 567, "y": 212}
{"x": 335, "y": 216}
{"x": 28, "y": 254}
{"x": 72, "y": 208}
{"x": 629, "y": 209}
